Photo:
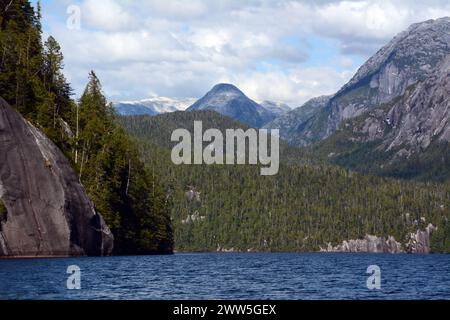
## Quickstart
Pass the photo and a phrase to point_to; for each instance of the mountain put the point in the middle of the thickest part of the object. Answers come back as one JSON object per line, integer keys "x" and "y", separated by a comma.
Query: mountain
{"x": 152, "y": 106}
{"x": 302, "y": 208}
{"x": 44, "y": 210}
{"x": 228, "y": 100}
{"x": 133, "y": 108}
{"x": 407, "y": 59}
{"x": 255, "y": 114}
{"x": 408, "y": 137}
{"x": 277, "y": 108}
{"x": 290, "y": 123}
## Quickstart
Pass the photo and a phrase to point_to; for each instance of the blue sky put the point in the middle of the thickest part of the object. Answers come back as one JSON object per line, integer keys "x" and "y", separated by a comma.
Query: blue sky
{"x": 286, "y": 51}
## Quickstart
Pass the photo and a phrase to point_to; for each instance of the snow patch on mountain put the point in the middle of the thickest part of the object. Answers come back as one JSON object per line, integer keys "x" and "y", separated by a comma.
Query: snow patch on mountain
{"x": 152, "y": 106}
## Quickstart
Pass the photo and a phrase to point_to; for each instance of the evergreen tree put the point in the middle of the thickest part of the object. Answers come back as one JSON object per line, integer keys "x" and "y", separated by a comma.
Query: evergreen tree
{"x": 21, "y": 56}
{"x": 32, "y": 80}
{"x": 131, "y": 200}
{"x": 54, "y": 112}
{"x": 440, "y": 242}
{"x": 303, "y": 207}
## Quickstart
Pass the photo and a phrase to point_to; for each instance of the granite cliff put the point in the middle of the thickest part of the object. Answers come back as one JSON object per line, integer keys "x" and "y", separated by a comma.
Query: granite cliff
{"x": 46, "y": 211}
{"x": 408, "y": 59}
{"x": 408, "y": 137}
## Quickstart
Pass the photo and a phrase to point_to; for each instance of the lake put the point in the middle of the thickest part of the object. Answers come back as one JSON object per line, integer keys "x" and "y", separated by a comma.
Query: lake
{"x": 230, "y": 276}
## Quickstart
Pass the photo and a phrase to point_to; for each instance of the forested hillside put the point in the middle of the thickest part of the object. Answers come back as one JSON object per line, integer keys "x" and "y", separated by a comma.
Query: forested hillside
{"x": 128, "y": 195}
{"x": 162, "y": 127}
{"x": 140, "y": 193}
{"x": 301, "y": 208}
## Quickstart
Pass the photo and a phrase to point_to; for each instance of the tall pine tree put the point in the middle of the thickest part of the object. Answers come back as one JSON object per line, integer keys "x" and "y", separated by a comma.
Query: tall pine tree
{"x": 32, "y": 81}
{"x": 21, "y": 56}
{"x": 130, "y": 199}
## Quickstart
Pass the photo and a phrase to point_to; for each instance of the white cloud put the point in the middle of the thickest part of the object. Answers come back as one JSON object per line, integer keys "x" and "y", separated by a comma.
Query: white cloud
{"x": 106, "y": 15}
{"x": 364, "y": 26}
{"x": 180, "y": 48}
{"x": 293, "y": 88}
{"x": 179, "y": 9}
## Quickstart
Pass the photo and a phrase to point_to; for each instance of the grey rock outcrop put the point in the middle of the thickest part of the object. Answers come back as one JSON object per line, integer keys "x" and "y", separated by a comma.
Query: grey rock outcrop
{"x": 370, "y": 244}
{"x": 192, "y": 194}
{"x": 424, "y": 115}
{"x": 418, "y": 242}
{"x": 47, "y": 210}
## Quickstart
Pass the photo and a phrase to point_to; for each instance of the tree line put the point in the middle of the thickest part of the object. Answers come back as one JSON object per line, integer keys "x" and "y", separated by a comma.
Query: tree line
{"x": 302, "y": 208}
{"x": 129, "y": 196}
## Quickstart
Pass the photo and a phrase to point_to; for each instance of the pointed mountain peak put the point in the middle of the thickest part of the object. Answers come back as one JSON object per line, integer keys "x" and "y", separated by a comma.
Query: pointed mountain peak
{"x": 226, "y": 87}
{"x": 228, "y": 100}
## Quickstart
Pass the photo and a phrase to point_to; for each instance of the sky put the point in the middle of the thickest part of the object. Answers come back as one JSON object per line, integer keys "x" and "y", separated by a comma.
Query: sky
{"x": 284, "y": 51}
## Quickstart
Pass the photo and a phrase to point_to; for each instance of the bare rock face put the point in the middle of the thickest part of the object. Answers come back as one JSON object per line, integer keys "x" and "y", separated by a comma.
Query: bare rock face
{"x": 47, "y": 210}
{"x": 424, "y": 114}
{"x": 406, "y": 60}
{"x": 371, "y": 244}
{"x": 418, "y": 242}
{"x": 409, "y": 58}
{"x": 409, "y": 125}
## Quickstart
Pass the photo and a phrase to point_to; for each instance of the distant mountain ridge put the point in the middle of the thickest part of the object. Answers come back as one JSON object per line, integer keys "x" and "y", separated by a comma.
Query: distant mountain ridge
{"x": 225, "y": 99}
{"x": 229, "y": 101}
{"x": 289, "y": 123}
{"x": 152, "y": 106}
{"x": 277, "y": 108}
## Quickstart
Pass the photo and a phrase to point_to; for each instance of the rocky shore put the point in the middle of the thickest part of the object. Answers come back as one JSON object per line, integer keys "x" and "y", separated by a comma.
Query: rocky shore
{"x": 418, "y": 242}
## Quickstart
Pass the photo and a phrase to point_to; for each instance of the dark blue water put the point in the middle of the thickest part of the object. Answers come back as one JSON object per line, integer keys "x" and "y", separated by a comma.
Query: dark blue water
{"x": 230, "y": 276}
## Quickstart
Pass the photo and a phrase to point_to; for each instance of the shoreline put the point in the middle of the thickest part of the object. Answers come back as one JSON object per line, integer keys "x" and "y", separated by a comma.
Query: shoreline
{"x": 220, "y": 253}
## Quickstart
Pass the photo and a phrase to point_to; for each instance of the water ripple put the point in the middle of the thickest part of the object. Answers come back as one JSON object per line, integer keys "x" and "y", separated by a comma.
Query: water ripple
{"x": 230, "y": 276}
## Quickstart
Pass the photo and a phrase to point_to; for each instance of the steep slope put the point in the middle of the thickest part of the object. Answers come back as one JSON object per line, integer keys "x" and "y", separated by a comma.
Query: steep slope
{"x": 408, "y": 137}
{"x": 228, "y": 100}
{"x": 302, "y": 208}
{"x": 152, "y": 106}
{"x": 46, "y": 210}
{"x": 408, "y": 58}
{"x": 423, "y": 116}
{"x": 277, "y": 108}
{"x": 292, "y": 122}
